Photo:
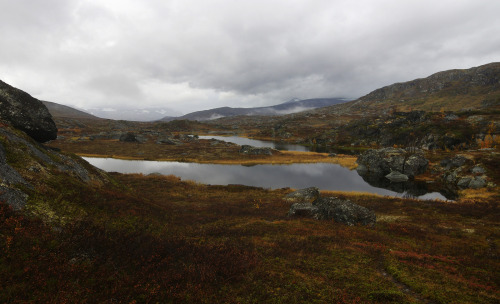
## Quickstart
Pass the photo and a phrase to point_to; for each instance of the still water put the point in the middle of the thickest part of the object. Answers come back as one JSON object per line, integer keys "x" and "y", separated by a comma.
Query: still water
{"x": 259, "y": 143}
{"x": 322, "y": 175}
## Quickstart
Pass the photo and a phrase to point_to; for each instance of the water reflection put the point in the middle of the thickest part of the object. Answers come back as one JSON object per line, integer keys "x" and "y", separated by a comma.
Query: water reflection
{"x": 323, "y": 176}
{"x": 280, "y": 145}
{"x": 259, "y": 143}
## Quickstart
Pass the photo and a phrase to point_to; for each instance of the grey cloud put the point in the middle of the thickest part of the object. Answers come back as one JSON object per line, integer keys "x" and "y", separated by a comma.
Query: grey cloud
{"x": 206, "y": 54}
{"x": 116, "y": 85}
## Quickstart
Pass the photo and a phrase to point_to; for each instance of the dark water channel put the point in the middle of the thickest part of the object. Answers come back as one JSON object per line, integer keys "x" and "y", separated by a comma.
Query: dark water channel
{"x": 322, "y": 175}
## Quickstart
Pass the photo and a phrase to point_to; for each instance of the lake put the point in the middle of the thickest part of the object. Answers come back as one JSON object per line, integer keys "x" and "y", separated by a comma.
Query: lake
{"x": 259, "y": 143}
{"x": 280, "y": 145}
{"x": 322, "y": 175}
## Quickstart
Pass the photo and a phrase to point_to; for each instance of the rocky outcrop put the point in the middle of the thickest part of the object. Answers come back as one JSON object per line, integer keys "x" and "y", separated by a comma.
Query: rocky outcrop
{"x": 9, "y": 179}
{"x": 250, "y": 150}
{"x": 329, "y": 208}
{"x": 131, "y": 137}
{"x": 25, "y": 165}
{"x": 382, "y": 162}
{"x": 26, "y": 113}
{"x": 460, "y": 172}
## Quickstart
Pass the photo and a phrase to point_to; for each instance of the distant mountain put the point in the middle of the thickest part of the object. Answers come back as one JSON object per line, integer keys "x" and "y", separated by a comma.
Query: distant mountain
{"x": 133, "y": 114}
{"x": 452, "y": 90}
{"x": 292, "y": 106}
{"x": 58, "y": 110}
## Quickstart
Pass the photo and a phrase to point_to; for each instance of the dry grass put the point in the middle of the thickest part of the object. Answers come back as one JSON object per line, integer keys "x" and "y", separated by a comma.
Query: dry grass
{"x": 198, "y": 153}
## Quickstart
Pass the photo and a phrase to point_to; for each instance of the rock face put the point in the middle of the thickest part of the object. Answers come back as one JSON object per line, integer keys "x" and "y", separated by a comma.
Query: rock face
{"x": 382, "y": 162}
{"x": 329, "y": 208}
{"x": 26, "y": 113}
{"x": 31, "y": 164}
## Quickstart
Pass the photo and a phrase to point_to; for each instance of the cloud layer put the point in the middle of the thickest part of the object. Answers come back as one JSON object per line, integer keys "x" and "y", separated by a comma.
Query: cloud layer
{"x": 193, "y": 55}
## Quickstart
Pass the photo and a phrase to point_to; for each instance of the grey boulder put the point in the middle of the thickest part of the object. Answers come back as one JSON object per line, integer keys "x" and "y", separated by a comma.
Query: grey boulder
{"x": 381, "y": 162}
{"x": 306, "y": 195}
{"x": 26, "y": 113}
{"x": 397, "y": 177}
{"x": 332, "y": 208}
{"x": 343, "y": 211}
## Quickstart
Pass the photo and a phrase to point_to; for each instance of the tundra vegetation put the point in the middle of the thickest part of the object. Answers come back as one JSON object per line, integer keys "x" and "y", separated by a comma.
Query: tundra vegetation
{"x": 80, "y": 235}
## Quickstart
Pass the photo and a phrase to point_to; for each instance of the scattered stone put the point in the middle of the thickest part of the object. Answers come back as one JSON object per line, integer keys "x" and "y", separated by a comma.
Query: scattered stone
{"x": 478, "y": 170}
{"x": 464, "y": 182}
{"x": 306, "y": 195}
{"x": 451, "y": 177}
{"x": 247, "y": 149}
{"x": 455, "y": 162}
{"x": 477, "y": 183}
{"x": 397, "y": 177}
{"x": 451, "y": 117}
{"x": 168, "y": 141}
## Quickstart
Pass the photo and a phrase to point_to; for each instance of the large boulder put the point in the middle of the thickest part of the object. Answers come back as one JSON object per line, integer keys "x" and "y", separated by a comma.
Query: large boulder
{"x": 330, "y": 208}
{"x": 343, "y": 211}
{"x": 26, "y": 113}
{"x": 397, "y": 177}
{"x": 131, "y": 137}
{"x": 303, "y": 210}
{"x": 306, "y": 195}
{"x": 382, "y": 162}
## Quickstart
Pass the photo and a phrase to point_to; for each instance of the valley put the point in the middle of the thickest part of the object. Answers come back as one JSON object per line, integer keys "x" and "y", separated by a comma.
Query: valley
{"x": 71, "y": 232}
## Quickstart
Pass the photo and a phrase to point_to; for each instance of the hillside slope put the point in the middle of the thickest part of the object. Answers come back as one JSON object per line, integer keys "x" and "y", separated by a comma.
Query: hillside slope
{"x": 59, "y": 110}
{"x": 452, "y": 90}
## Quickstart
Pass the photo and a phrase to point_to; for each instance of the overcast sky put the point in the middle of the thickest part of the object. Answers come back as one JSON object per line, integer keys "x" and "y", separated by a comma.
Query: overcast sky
{"x": 188, "y": 55}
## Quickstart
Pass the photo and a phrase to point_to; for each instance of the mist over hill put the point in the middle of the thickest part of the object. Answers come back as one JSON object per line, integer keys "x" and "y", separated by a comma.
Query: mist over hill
{"x": 289, "y": 107}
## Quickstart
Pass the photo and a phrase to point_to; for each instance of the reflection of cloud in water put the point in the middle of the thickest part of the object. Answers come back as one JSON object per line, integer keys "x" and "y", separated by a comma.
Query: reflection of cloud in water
{"x": 323, "y": 176}
{"x": 258, "y": 143}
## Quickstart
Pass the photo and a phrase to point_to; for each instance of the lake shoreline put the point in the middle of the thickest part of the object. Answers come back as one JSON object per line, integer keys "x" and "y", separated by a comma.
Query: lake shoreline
{"x": 325, "y": 176}
{"x": 283, "y": 158}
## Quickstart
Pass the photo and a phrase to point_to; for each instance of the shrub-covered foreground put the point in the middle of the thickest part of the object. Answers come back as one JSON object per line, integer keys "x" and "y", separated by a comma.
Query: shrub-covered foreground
{"x": 150, "y": 239}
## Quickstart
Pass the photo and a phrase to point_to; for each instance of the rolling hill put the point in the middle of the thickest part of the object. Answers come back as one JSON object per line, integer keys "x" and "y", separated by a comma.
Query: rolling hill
{"x": 58, "y": 110}
{"x": 452, "y": 90}
{"x": 292, "y": 106}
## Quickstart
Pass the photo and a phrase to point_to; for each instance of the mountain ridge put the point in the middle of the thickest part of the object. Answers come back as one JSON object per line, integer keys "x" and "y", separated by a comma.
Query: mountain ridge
{"x": 291, "y": 106}
{"x": 450, "y": 90}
